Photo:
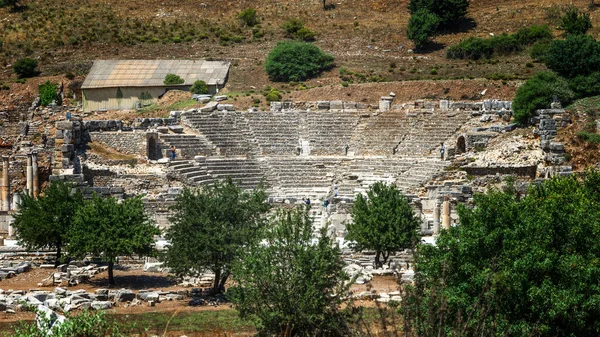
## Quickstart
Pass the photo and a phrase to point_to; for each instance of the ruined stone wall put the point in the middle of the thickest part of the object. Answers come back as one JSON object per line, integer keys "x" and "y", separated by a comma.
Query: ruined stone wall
{"x": 125, "y": 142}
{"x": 523, "y": 171}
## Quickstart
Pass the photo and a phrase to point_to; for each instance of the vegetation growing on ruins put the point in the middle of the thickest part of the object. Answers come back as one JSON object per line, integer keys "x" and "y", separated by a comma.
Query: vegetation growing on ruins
{"x": 538, "y": 93}
{"x": 383, "y": 221}
{"x": 199, "y": 88}
{"x": 46, "y": 221}
{"x": 286, "y": 281}
{"x": 26, "y": 67}
{"x": 47, "y": 92}
{"x": 173, "y": 79}
{"x": 210, "y": 228}
{"x": 296, "y": 61}
{"x": 105, "y": 228}
{"x": 517, "y": 265}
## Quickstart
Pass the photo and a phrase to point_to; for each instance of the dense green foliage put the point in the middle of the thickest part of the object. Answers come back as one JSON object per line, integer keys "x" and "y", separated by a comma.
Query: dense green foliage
{"x": 84, "y": 324}
{"x": 9, "y": 3}
{"x": 211, "y": 226}
{"x": 287, "y": 281}
{"x": 449, "y": 11}
{"x": 272, "y": 94}
{"x": 538, "y": 93}
{"x": 46, "y": 222}
{"x": 585, "y": 86}
{"x": 26, "y": 67}
{"x": 173, "y": 79}
{"x": 539, "y": 50}
{"x": 296, "y": 61}
{"x": 199, "y": 88}
{"x": 248, "y": 17}
{"x": 295, "y": 29}
{"x": 383, "y": 222}
{"x": 47, "y": 92}
{"x": 105, "y": 228}
{"x": 574, "y": 22}
{"x": 422, "y": 25}
{"x": 474, "y": 48}
{"x": 515, "y": 266}
{"x": 574, "y": 56}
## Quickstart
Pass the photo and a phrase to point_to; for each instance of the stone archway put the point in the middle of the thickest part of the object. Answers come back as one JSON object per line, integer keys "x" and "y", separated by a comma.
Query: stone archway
{"x": 461, "y": 146}
{"x": 152, "y": 150}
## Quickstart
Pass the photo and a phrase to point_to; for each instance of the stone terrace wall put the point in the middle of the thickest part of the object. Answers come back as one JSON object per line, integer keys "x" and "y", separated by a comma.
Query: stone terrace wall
{"x": 126, "y": 142}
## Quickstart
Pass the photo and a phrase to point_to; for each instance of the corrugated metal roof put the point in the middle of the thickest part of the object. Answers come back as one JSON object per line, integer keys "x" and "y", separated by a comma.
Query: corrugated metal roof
{"x": 151, "y": 73}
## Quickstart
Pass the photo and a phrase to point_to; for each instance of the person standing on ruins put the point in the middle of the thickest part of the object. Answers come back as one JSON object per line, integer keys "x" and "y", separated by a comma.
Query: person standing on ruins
{"x": 442, "y": 150}
{"x": 172, "y": 152}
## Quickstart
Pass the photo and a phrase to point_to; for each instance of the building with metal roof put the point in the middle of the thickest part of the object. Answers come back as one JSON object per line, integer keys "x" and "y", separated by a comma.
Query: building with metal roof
{"x": 127, "y": 84}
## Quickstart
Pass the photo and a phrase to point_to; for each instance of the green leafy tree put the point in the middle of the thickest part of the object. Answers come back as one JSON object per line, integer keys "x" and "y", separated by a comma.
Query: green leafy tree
{"x": 449, "y": 11}
{"x": 171, "y": 79}
{"x": 422, "y": 26}
{"x": 514, "y": 266}
{"x": 383, "y": 222}
{"x": 199, "y": 88}
{"x": 574, "y": 56}
{"x": 538, "y": 93}
{"x": 47, "y": 92}
{"x": 26, "y": 67}
{"x": 290, "y": 283}
{"x": 106, "y": 228}
{"x": 210, "y": 228}
{"x": 46, "y": 222}
{"x": 248, "y": 17}
{"x": 296, "y": 61}
{"x": 574, "y": 22}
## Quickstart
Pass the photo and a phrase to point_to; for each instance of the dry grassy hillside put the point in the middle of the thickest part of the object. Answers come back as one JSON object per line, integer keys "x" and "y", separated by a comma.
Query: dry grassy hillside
{"x": 366, "y": 36}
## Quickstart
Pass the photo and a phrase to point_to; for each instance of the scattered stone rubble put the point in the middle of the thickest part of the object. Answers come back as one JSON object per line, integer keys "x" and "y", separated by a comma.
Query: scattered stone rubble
{"x": 11, "y": 269}
{"x": 72, "y": 274}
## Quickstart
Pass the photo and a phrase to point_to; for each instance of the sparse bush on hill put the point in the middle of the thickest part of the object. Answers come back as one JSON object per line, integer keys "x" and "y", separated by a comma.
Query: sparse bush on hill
{"x": 199, "y": 88}
{"x": 291, "y": 284}
{"x": 538, "y": 93}
{"x": 296, "y": 30}
{"x": 47, "y": 92}
{"x": 585, "y": 86}
{"x": 248, "y": 17}
{"x": 449, "y": 11}
{"x": 422, "y": 26}
{"x": 515, "y": 266}
{"x": 474, "y": 48}
{"x": 574, "y": 56}
{"x": 26, "y": 67}
{"x": 173, "y": 79}
{"x": 574, "y": 22}
{"x": 272, "y": 94}
{"x": 296, "y": 61}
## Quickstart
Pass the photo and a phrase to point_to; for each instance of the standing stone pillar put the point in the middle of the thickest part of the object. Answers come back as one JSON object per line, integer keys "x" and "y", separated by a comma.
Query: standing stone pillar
{"x": 5, "y": 185}
{"x": 36, "y": 177}
{"x": 16, "y": 202}
{"x": 29, "y": 175}
{"x": 436, "y": 219}
{"x": 446, "y": 214}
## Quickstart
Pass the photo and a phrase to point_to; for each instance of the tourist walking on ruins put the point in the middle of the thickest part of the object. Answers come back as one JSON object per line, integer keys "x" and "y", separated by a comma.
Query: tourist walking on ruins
{"x": 172, "y": 152}
{"x": 442, "y": 150}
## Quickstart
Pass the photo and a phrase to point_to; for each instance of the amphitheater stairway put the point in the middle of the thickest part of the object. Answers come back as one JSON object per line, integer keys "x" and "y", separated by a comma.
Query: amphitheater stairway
{"x": 245, "y": 172}
{"x": 228, "y": 131}
{"x": 187, "y": 145}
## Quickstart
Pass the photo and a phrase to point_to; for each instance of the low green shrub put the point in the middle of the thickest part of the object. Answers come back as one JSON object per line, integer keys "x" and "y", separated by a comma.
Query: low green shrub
{"x": 272, "y": 95}
{"x": 574, "y": 22}
{"x": 589, "y": 137}
{"x": 422, "y": 26}
{"x": 539, "y": 50}
{"x": 296, "y": 30}
{"x": 47, "y": 92}
{"x": 296, "y": 61}
{"x": 248, "y": 17}
{"x": 199, "y": 88}
{"x": 474, "y": 48}
{"x": 538, "y": 93}
{"x": 26, "y": 67}
{"x": 585, "y": 86}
